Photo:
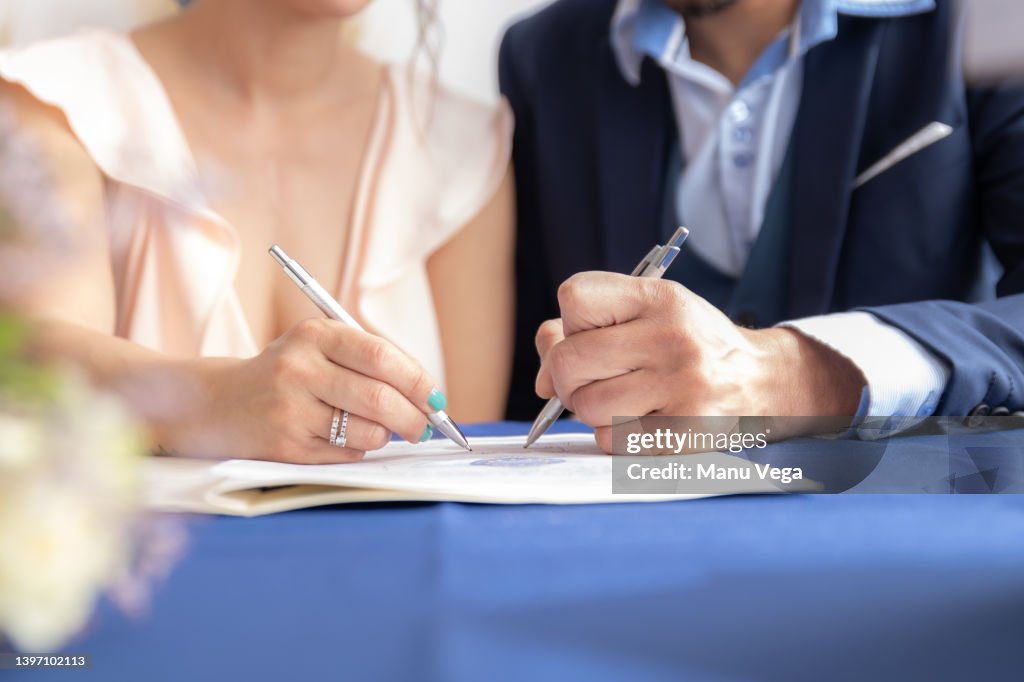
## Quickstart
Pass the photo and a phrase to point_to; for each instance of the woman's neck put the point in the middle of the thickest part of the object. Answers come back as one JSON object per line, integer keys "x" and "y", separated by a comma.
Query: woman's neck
{"x": 262, "y": 52}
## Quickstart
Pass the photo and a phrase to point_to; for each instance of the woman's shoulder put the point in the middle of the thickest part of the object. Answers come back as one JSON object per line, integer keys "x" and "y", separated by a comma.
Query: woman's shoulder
{"x": 459, "y": 146}
{"x": 85, "y": 59}
{"x": 33, "y": 82}
{"x": 96, "y": 83}
{"x": 438, "y": 112}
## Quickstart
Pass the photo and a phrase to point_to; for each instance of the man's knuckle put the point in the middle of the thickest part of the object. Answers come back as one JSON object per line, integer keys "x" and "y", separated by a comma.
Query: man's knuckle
{"x": 562, "y": 360}
{"x": 542, "y": 382}
{"x": 548, "y": 330}
{"x": 603, "y": 437}
{"x": 660, "y": 291}
{"x": 679, "y": 297}
{"x": 585, "y": 405}
{"x": 569, "y": 292}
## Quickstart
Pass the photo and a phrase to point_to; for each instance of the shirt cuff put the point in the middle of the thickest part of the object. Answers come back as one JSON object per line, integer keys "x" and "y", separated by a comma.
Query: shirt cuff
{"x": 904, "y": 380}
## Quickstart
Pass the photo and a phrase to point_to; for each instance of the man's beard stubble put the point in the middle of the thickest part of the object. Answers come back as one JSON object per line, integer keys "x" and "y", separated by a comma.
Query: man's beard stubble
{"x": 698, "y": 8}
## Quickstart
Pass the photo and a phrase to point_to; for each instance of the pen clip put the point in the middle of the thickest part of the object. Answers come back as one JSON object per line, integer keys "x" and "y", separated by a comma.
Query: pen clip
{"x": 660, "y": 261}
{"x": 665, "y": 258}
{"x": 639, "y": 270}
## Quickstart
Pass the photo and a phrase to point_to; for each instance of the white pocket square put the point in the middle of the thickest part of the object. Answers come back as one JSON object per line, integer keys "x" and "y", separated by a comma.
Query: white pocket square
{"x": 927, "y": 136}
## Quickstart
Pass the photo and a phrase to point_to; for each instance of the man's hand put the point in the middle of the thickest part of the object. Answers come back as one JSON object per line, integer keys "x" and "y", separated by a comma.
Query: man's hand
{"x": 628, "y": 346}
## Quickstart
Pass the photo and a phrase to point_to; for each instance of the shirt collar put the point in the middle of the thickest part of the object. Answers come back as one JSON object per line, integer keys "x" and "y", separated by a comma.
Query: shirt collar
{"x": 647, "y": 28}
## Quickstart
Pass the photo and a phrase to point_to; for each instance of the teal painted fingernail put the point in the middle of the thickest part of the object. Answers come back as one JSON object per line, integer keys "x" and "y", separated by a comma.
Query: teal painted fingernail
{"x": 437, "y": 401}
{"x": 427, "y": 433}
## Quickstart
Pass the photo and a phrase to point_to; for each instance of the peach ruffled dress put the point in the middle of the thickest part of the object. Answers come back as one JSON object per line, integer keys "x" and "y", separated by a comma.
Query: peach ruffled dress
{"x": 174, "y": 259}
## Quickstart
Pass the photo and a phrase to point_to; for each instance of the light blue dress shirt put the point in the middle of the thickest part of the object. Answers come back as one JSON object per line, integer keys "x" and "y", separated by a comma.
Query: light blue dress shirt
{"x": 733, "y": 141}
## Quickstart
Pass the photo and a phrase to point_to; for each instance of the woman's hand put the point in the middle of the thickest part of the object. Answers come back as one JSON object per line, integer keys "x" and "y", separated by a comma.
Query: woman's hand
{"x": 279, "y": 405}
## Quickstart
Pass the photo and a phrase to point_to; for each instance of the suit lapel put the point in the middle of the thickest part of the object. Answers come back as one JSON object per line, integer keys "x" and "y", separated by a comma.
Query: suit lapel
{"x": 634, "y": 130}
{"x": 827, "y": 137}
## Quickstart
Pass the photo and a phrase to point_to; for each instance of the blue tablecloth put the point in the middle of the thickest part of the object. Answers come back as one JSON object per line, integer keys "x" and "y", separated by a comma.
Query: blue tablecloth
{"x": 819, "y": 587}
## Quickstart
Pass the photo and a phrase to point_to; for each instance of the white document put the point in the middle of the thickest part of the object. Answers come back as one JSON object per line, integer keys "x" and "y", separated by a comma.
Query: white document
{"x": 558, "y": 469}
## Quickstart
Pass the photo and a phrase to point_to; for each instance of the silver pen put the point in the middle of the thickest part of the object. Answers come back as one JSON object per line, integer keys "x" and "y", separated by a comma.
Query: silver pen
{"x": 653, "y": 265}
{"x": 332, "y": 309}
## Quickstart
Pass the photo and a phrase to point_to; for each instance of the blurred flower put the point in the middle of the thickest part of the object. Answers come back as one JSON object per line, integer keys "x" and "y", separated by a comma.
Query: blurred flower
{"x": 36, "y": 233}
{"x": 71, "y": 525}
{"x": 70, "y": 461}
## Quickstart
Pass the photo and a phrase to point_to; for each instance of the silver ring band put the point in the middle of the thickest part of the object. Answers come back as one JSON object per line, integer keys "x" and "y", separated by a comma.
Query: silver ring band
{"x": 335, "y": 420}
{"x": 339, "y": 428}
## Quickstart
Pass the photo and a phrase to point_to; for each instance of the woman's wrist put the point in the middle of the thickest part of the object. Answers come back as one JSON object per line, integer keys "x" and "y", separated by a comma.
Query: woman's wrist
{"x": 174, "y": 399}
{"x": 188, "y": 408}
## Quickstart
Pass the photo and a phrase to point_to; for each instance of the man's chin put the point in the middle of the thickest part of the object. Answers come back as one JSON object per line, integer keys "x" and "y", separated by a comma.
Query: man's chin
{"x": 699, "y": 8}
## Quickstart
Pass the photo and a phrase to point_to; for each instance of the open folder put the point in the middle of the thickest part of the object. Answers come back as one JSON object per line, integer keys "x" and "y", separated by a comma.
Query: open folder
{"x": 558, "y": 469}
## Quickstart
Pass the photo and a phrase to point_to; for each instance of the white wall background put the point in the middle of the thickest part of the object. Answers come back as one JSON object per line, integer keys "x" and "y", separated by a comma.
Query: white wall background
{"x": 471, "y": 29}
{"x": 23, "y": 21}
{"x": 993, "y": 47}
{"x": 471, "y": 33}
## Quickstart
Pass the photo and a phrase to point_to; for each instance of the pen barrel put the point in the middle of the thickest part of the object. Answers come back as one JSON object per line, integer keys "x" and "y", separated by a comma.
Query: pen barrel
{"x": 552, "y": 411}
{"x": 326, "y": 303}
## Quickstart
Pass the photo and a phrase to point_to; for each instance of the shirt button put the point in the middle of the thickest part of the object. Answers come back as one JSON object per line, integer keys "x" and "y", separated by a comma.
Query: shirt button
{"x": 743, "y": 160}
{"x": 981, "y": 410}
{"x": 744, "y": 134}
{"x": 976, "y": 417}
{"x": 739, "y": 111}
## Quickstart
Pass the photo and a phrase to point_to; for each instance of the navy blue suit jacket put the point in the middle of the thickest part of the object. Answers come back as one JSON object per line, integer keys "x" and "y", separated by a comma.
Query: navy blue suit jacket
{"x": 909, "y": 246}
